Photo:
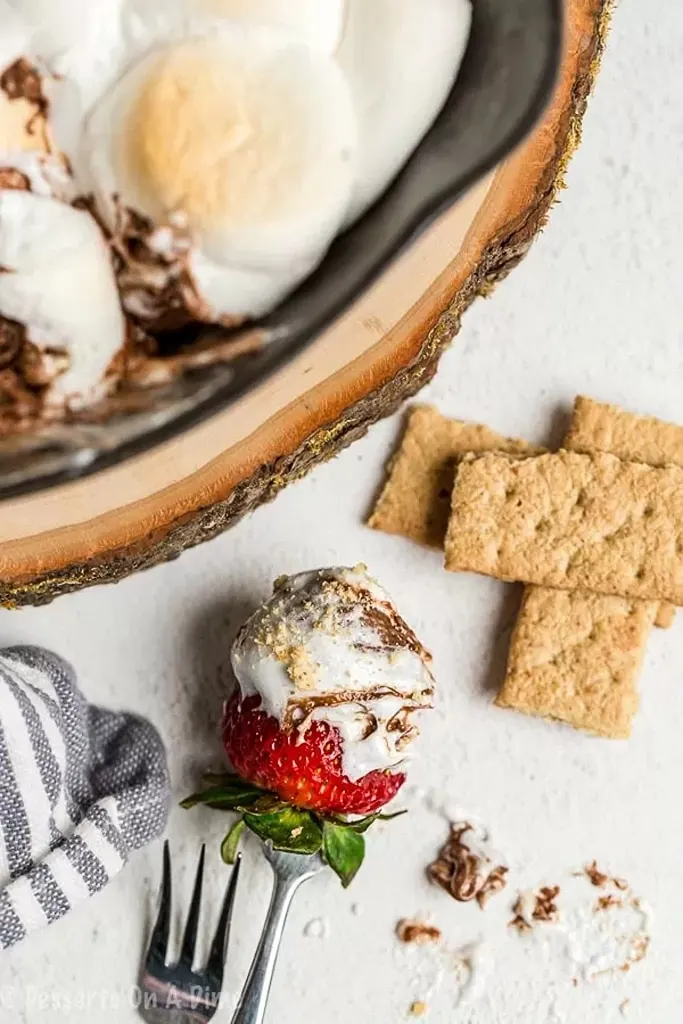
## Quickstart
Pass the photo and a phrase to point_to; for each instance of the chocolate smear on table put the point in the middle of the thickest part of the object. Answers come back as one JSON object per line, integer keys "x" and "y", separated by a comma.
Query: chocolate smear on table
{"x": 463, "y": 872}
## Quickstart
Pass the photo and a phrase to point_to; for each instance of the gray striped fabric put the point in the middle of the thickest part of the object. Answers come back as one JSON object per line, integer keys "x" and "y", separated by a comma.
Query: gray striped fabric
{"x": 80, "y": 788}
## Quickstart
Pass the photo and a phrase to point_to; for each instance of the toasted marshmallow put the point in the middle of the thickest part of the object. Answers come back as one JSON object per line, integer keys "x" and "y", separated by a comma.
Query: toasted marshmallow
{"x": 57, "y": 280}
{"x": 330, "y": 646}
{"x": 401, "y": 59}
{"x": 247, "y": 135}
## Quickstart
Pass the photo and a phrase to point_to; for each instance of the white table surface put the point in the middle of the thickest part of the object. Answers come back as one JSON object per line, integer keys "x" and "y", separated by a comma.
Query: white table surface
{"x": 595, "y": 308}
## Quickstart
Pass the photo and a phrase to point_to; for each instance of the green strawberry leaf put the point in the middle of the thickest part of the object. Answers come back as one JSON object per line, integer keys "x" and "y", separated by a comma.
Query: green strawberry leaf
{"x": 224, "y": 798}
{"x": 228, "y": 780}
{"x": 363, "y": 824}
{"x": 232, "y": 841}
{"x": 267, "y": 803}
{"x": 344, "y": 850}
{"x": 288, "y": 829}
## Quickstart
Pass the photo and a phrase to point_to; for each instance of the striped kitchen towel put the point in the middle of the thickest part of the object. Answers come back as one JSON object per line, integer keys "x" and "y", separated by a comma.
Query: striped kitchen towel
{"x": 80, "y": 788}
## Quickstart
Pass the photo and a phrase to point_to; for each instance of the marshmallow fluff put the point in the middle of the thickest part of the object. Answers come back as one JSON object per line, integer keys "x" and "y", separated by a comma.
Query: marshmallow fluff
{"x": 243, "y": 135}
{"x": 330, "y": 646}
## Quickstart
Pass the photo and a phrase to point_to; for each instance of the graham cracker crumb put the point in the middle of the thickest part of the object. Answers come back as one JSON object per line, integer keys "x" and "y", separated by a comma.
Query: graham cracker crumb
{"x": 301, "y": 668}
{"x": 605, "y": 902}
{"x": 595, "y": 876}
{"x": 531, "y": 908}
{"x": 546, "y": 908}
{"x": 417, "y": 932}
{"x": 519, "y": 921}
{"x": 418, "y": 1008}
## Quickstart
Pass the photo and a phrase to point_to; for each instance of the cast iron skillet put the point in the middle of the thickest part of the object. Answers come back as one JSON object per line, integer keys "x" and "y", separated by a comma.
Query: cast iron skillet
{"x": 505, "y": 82}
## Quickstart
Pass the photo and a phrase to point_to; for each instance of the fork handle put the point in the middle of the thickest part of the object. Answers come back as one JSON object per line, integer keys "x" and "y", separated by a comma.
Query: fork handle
{"x": 251, "y": 1008}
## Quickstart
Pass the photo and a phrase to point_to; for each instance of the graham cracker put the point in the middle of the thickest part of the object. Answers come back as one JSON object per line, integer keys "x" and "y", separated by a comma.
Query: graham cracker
{"x": 416, "y": 499}
{"x": 575, "y": 656}
{"x": 597, "y": 426}
{"x": 570, "y": 521}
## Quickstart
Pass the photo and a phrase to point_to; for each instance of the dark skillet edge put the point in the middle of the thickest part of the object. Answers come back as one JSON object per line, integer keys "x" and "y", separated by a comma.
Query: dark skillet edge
{"x": 259, "y": 370}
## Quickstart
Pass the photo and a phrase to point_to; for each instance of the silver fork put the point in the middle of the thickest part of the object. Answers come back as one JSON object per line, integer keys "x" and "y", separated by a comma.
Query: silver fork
{"x": 175, "y": 993}
{"x": 289, "y": 870}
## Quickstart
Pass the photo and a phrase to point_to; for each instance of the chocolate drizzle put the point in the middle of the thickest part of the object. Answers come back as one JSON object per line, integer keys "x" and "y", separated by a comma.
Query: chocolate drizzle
{"x": 23, "y": 81}
{"x": 380, "y": 617}
{"x": 12, "y": 337}
{"x": 13, "y": 180}
{"x": 152, "y": 269}
{"x": 300, "y": 709}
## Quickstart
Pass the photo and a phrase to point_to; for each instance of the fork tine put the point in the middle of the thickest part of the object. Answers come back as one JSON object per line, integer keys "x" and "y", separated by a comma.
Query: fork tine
{"x": 158, "y": 943}
{"x": 222, "y": 936}
{"x": 192, "y": 926}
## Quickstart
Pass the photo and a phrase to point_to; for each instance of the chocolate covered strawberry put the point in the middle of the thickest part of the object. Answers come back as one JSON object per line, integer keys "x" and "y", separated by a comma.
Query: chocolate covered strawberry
{"x": 330, "y": 682}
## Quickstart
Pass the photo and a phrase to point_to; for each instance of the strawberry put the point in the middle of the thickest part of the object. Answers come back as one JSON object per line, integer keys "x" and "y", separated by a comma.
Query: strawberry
{"x": 291, "y": 790}
{"x": 305, "y": 771}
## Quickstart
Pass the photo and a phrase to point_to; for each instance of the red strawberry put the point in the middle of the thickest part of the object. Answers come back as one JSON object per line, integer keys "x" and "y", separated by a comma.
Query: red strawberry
{"x": 305, "y": 772}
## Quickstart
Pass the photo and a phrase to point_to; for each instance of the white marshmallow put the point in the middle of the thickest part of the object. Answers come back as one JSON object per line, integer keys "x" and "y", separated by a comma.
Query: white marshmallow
{"x": 318, "y": 23}
{"x": 401, "y": 59}
{"x": 252, "y": 137}
{"x": 58, "y": 281}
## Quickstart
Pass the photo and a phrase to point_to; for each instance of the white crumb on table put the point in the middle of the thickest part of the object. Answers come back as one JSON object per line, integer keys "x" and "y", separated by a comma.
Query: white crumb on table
{"x": 317, "y": 928}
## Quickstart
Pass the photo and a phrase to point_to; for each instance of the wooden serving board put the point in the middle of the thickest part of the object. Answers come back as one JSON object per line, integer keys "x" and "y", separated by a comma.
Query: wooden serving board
{"x": 382, "y": 351}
